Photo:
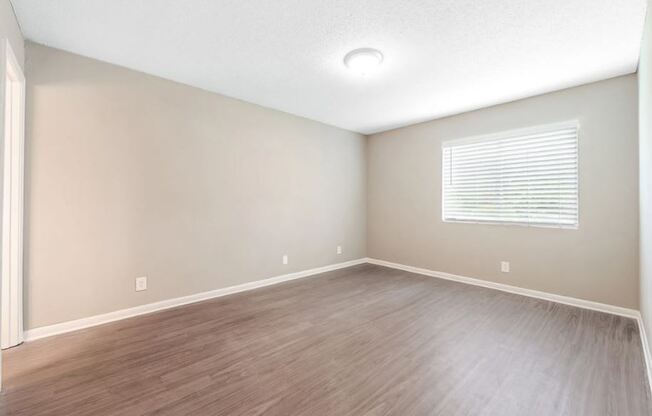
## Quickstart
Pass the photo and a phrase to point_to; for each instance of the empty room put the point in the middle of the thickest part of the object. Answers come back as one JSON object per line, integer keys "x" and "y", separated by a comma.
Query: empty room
{"x": 347, "y": 208}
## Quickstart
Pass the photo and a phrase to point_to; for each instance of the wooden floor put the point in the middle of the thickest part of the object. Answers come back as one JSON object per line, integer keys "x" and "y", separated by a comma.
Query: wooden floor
{"x": 361, "y": 341}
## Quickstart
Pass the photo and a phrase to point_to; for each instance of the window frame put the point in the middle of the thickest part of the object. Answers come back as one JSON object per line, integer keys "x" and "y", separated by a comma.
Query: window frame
{"x": 507, "y": 134}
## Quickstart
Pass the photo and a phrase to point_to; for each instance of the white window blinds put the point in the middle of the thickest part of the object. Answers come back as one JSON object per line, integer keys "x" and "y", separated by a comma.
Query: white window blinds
{"x": 524, "y": 177}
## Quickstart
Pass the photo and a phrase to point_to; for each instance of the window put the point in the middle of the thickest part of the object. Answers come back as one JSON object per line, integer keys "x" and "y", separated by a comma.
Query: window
{"x": 526, "y": 177}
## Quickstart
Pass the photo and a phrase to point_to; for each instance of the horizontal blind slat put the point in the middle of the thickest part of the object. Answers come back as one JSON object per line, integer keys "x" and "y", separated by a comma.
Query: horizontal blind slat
{"x": 551, "y": 158}
{"x": 507, "y": 140}
{"x": 502, "y": 151}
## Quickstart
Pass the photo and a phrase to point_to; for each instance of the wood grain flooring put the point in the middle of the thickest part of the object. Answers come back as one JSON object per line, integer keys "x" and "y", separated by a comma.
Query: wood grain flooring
{"x": 366, "y": 341}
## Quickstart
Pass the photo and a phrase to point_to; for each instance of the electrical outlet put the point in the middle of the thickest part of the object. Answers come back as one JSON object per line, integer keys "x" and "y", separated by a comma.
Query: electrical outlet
{"x": 285, "y": 259}
{"x": 141, "y": 283}
{"x": 339, "y": 249}
{"x": 504, "y": 266}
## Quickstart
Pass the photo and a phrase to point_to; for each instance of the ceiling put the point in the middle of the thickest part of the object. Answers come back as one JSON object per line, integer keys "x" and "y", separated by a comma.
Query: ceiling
{"x": 442, "y": 57}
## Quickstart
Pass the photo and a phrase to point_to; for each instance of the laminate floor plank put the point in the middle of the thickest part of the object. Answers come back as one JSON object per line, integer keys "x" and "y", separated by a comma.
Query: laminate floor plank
{"x": 366, "y": 340}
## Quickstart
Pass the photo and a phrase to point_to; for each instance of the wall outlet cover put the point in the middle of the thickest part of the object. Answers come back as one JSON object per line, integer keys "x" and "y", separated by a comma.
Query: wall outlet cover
{"x": 141, "y": 283}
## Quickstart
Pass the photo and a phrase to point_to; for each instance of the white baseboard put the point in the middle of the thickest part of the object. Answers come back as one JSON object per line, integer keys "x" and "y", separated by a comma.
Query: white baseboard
{"x": 566, "y": 300}
{"x": 70, "y": 326}
{"x": 75, "y": 325}
{"x": 61, "y": 328}
{"x": 646, "y": 349}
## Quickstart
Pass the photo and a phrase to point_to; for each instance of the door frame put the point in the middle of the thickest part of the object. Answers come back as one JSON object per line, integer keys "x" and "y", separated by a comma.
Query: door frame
{"x": 11, "y": 302}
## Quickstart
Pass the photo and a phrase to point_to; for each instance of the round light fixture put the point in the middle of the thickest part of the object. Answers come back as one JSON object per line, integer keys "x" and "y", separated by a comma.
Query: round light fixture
{"x": 363, "y": 60}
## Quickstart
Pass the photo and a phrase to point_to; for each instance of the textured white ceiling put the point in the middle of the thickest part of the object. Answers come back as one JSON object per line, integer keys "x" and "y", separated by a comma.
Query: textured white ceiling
{"x": 441, "y": 56}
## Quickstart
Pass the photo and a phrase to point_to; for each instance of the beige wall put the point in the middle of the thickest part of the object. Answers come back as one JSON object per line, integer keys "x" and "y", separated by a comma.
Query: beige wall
{"x": 131, "y": 175}
{"x": 598, "y": 262}
{"x": 645, "y": 173}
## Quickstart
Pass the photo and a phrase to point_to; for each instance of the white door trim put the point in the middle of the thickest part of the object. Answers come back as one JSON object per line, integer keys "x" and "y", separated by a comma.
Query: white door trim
{"x": 11, "y": 312}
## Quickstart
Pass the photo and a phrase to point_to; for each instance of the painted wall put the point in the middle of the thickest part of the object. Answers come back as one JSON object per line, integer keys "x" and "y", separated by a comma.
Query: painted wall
{"x": 132, "y": 175}
{"x": 597, "y": 262}
{"x": 645, "y": 173}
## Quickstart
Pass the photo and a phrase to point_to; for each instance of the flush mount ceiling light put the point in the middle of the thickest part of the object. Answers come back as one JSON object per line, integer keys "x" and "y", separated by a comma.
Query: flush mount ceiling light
{"x": 363, "y": 60}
